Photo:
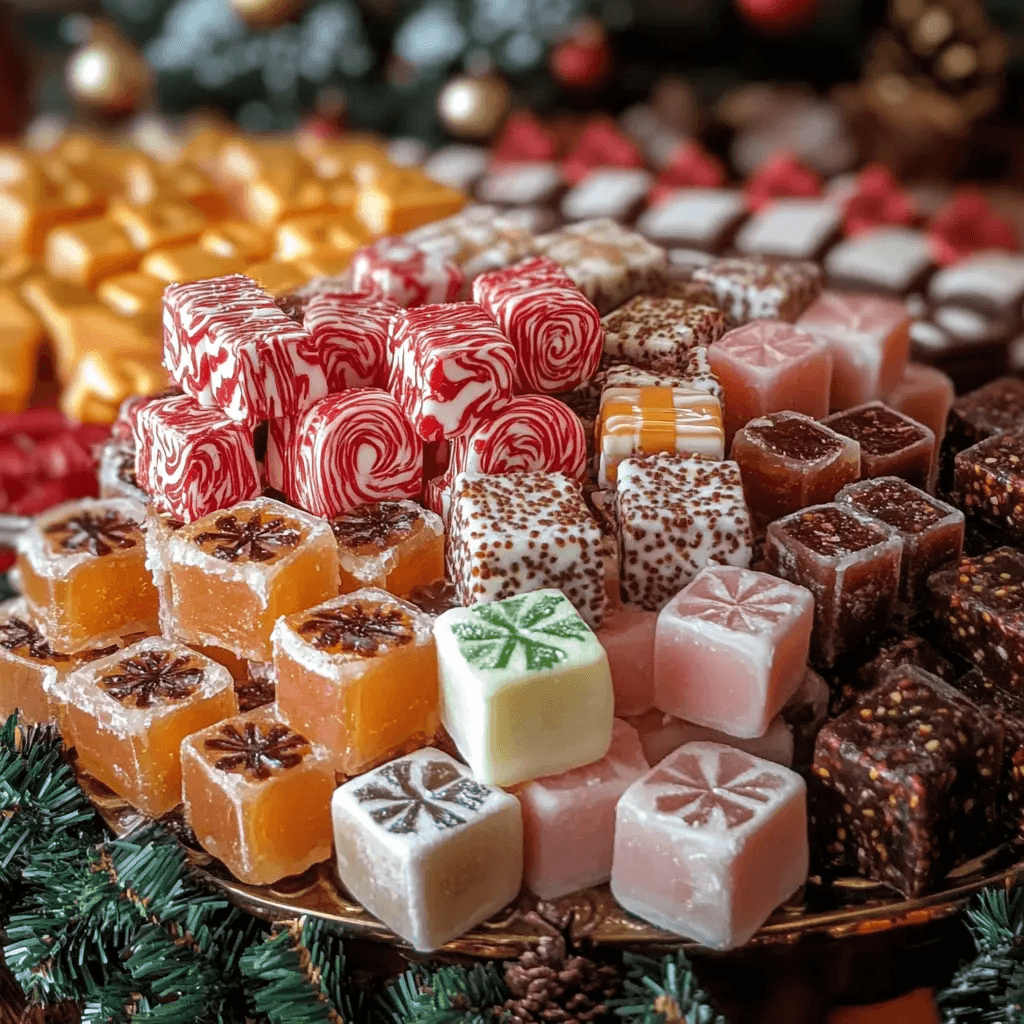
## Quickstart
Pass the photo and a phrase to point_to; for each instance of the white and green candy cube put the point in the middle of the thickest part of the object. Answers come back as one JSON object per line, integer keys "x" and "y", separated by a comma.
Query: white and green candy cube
{"x": 525, "y": 687}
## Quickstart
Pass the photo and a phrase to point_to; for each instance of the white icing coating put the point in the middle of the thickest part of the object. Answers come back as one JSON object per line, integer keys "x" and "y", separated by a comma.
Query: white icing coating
{"x": 792, "y": 228}
{"x": 888, "y": 258}
{"x": 994, "y": 279}
{"x": 606, "y": 192}
{"x": 693, "y": 216}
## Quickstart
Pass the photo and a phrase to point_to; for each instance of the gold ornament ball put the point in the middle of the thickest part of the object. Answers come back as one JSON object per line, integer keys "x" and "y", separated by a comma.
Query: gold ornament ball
{"x": 267, "y": 13}
{"x": 107, "y": 75}
{"x": 473, "y": 107}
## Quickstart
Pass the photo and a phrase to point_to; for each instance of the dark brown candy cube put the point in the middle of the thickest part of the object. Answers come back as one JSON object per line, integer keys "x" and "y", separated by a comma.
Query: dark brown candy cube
{"x": 932, "y": 531}
{"x": 891, "y": 444}
{"x": 979, "y": 606}
{"x": 905, "y": 781}
{"x": 988, "y": 481}
{"x": 849, "y": 562}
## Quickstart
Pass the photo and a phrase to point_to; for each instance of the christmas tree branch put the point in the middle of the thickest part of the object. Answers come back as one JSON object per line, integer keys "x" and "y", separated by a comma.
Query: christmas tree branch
{"x": 450, "y": 995}
{"x": 663, "y": 992}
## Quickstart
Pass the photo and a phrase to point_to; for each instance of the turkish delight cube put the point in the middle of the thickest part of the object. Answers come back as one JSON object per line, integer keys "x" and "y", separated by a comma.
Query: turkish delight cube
{"x": 517, "y": 532}
{"x": 925, "y": 394}
{"x": 709, "y": 842}
{"x": 82, "y": 570}
{"x": 905, "y": 781}
{"x": 569, "y": 819}
{"x": 731, "y": 649}
{"x": 932, "y": 531}
{"x": 755, "y": 289}
{"x": 358, "y": 675}
{"x": 404, "y": 273}
{"x": 427, "y": 848}
{"x": 127, "y": 714}
{"x": 675, "y": 516}
{"x": 849, "y": 562}
{"x": 393, "y": 545}
{"x": 257, "y": 795}
{"x": 627, "y": 636}
{"x": 988, "y": 481}
{"x": 525, "y": 687}
{"x": 234, "y": 573}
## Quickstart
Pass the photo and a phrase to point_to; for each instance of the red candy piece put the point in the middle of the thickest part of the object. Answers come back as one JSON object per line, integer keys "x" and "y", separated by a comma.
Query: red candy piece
{"x": 352, "y": 449}
{"x": 405, "y": 273}
{"x": 278, "y": 462}
{"x": 779, "y": 176}
{"x": 689, "y": 166}
{"x": 524, "y": 140}
{"x": 72, "y": 451}
{"x": 601, "y": 144}
{"x": 555, "y": 329}
{"x": 877, "y": 199}
{"x": 122, "y": 429}
{"x": 36, "y": 424}
{"x": 450, "y": 368}
{"x": 967, "y": 224}
{"x": 193, "y": 460}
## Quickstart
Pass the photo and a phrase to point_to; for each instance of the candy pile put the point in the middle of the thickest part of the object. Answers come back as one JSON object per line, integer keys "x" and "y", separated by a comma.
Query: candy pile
{"x": 367, "y": 533}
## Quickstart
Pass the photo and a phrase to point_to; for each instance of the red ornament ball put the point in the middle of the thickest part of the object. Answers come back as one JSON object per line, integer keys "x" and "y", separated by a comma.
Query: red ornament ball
{"x": 583, "y": 61}
{"x": 776, "y": 15}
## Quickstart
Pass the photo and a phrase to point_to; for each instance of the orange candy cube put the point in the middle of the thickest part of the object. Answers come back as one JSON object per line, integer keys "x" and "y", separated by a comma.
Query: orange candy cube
{"x": 127, "y": 714}
{"x": 258, "y": 796}
{"x": 394, "y": 545}
{"x": 358, "y": 675}
{"x": 83, "y": 572}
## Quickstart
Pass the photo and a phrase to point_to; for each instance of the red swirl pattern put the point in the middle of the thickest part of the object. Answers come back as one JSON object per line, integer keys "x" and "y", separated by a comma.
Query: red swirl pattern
{"x": 354, "y": 448}
{"x": 193, "y": 460}
{"x": 554, "y": 327}
{"x": 405, "y": 273}
{"x": 350, "y": 333}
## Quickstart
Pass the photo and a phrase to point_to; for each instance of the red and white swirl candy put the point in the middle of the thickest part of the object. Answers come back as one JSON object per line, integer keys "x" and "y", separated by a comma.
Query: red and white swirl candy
{"x": 354, "y": 448}
{"x": 193, "y": 460}
{"x": 278, "y": 463}
{"x": 532, "y": 434}
{"x": 451, "y": 368}
{"x": 406, "y": 274}
{"x": 555, "y": 328}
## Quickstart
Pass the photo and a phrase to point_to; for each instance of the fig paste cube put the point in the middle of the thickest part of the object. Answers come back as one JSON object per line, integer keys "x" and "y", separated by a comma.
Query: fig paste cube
{"x": 849, "y": 562}
{"x": 988, "y": 482}
{"x": 932, "y": 531}
{"x": 569, "y": 819}
{"x": 709, "y": 842}
{"x": 979, "y": 606}
{"x": 426, "y": 848}
{"x": 905, "y": 781}
{"x": 258, "y": 796}
{"x": 891, "y": 444}
{"x": 789, "y": 461}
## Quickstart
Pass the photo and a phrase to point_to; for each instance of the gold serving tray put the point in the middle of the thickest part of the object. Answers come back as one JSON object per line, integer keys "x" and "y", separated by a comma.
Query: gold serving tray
{"x": 834, "y": 908}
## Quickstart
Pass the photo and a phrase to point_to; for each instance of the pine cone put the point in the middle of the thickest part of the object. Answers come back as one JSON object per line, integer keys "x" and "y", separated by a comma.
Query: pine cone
{"x": 550, "y": 988}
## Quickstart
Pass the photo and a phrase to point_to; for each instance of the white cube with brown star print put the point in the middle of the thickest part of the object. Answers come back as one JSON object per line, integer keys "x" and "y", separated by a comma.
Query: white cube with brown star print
{"x": 526, "y": 689}
{"x": 258, "y": 796}
{"x": 126, "y": 715}
{"x": 427, "y": 848}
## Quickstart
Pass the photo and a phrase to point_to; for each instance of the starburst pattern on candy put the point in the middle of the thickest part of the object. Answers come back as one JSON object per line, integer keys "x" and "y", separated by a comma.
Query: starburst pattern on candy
{"x": 358, "y": 628}
{"x": 740, "y": 601}
{"x": 17, "y": 634}
{"x": 380, "y": 524}
{"x": 258, "y": 539}
{"x": 257, "y": 750}
{"x": 152, "y": 677}
{"x": 98, "y": 533}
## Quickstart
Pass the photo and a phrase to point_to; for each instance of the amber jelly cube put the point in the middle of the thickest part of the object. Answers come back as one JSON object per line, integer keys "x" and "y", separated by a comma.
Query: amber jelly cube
{"x": 988, "y": 481}
{"x": 358, "y": 675}
{"x": 849, "y": 562}
{"x": 932, "y": 531}
{"x": 891, "y": 444}
{"x": 789, "y": 461}
{"x": 258, "y": 796}
{"x": 83, "y": 572}
{"x": 127, "y": 714}
{"x": 234, "y": 573}
{"x": 394, "y": 545}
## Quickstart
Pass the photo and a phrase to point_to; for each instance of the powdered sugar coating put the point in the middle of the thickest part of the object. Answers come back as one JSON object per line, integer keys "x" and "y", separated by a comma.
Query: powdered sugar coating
{"x": 404, "y": 273}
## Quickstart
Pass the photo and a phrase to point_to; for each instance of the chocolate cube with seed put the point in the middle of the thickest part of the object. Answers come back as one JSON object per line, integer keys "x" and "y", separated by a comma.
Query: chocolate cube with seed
{"x": 978, "y": 605}
{"x": 905, "y": 781}
{"x": 756, "y": 289}
{"x": 849, "y": 562}
{"x": 988, "y": 482}
{"x": 891, "y": 444}
{"x": 932, "y": 531}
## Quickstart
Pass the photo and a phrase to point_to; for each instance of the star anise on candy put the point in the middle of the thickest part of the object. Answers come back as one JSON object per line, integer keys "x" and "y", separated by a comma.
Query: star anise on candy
{"x": 380, "y": 524}
{"x": 151, "y": 676}
{"x": 358, "y": 628}
{"x": 257, "y": 538}
{"x": 98, "y": 533}
{"x": 16, "y": 634}
{"x": 257, "y": 749}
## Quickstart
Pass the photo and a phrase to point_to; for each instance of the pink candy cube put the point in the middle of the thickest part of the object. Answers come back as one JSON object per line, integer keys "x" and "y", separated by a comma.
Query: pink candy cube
{"x": 555, "y": 328}
{"x": 767, "y": 366}
{"x": 627, "y": 637}
{"x": 925, "y": 394}
{"x": 869, "y": 338}
{"x": 404, "y": 273}
{"x": 451, "y": 368}
{"x": 191, "y": 460}
{"x": 710, "y": 842}
{"x": 569, "y": 819}
{"x": 229, "y": 345}
{"x": 731, "y": 649}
